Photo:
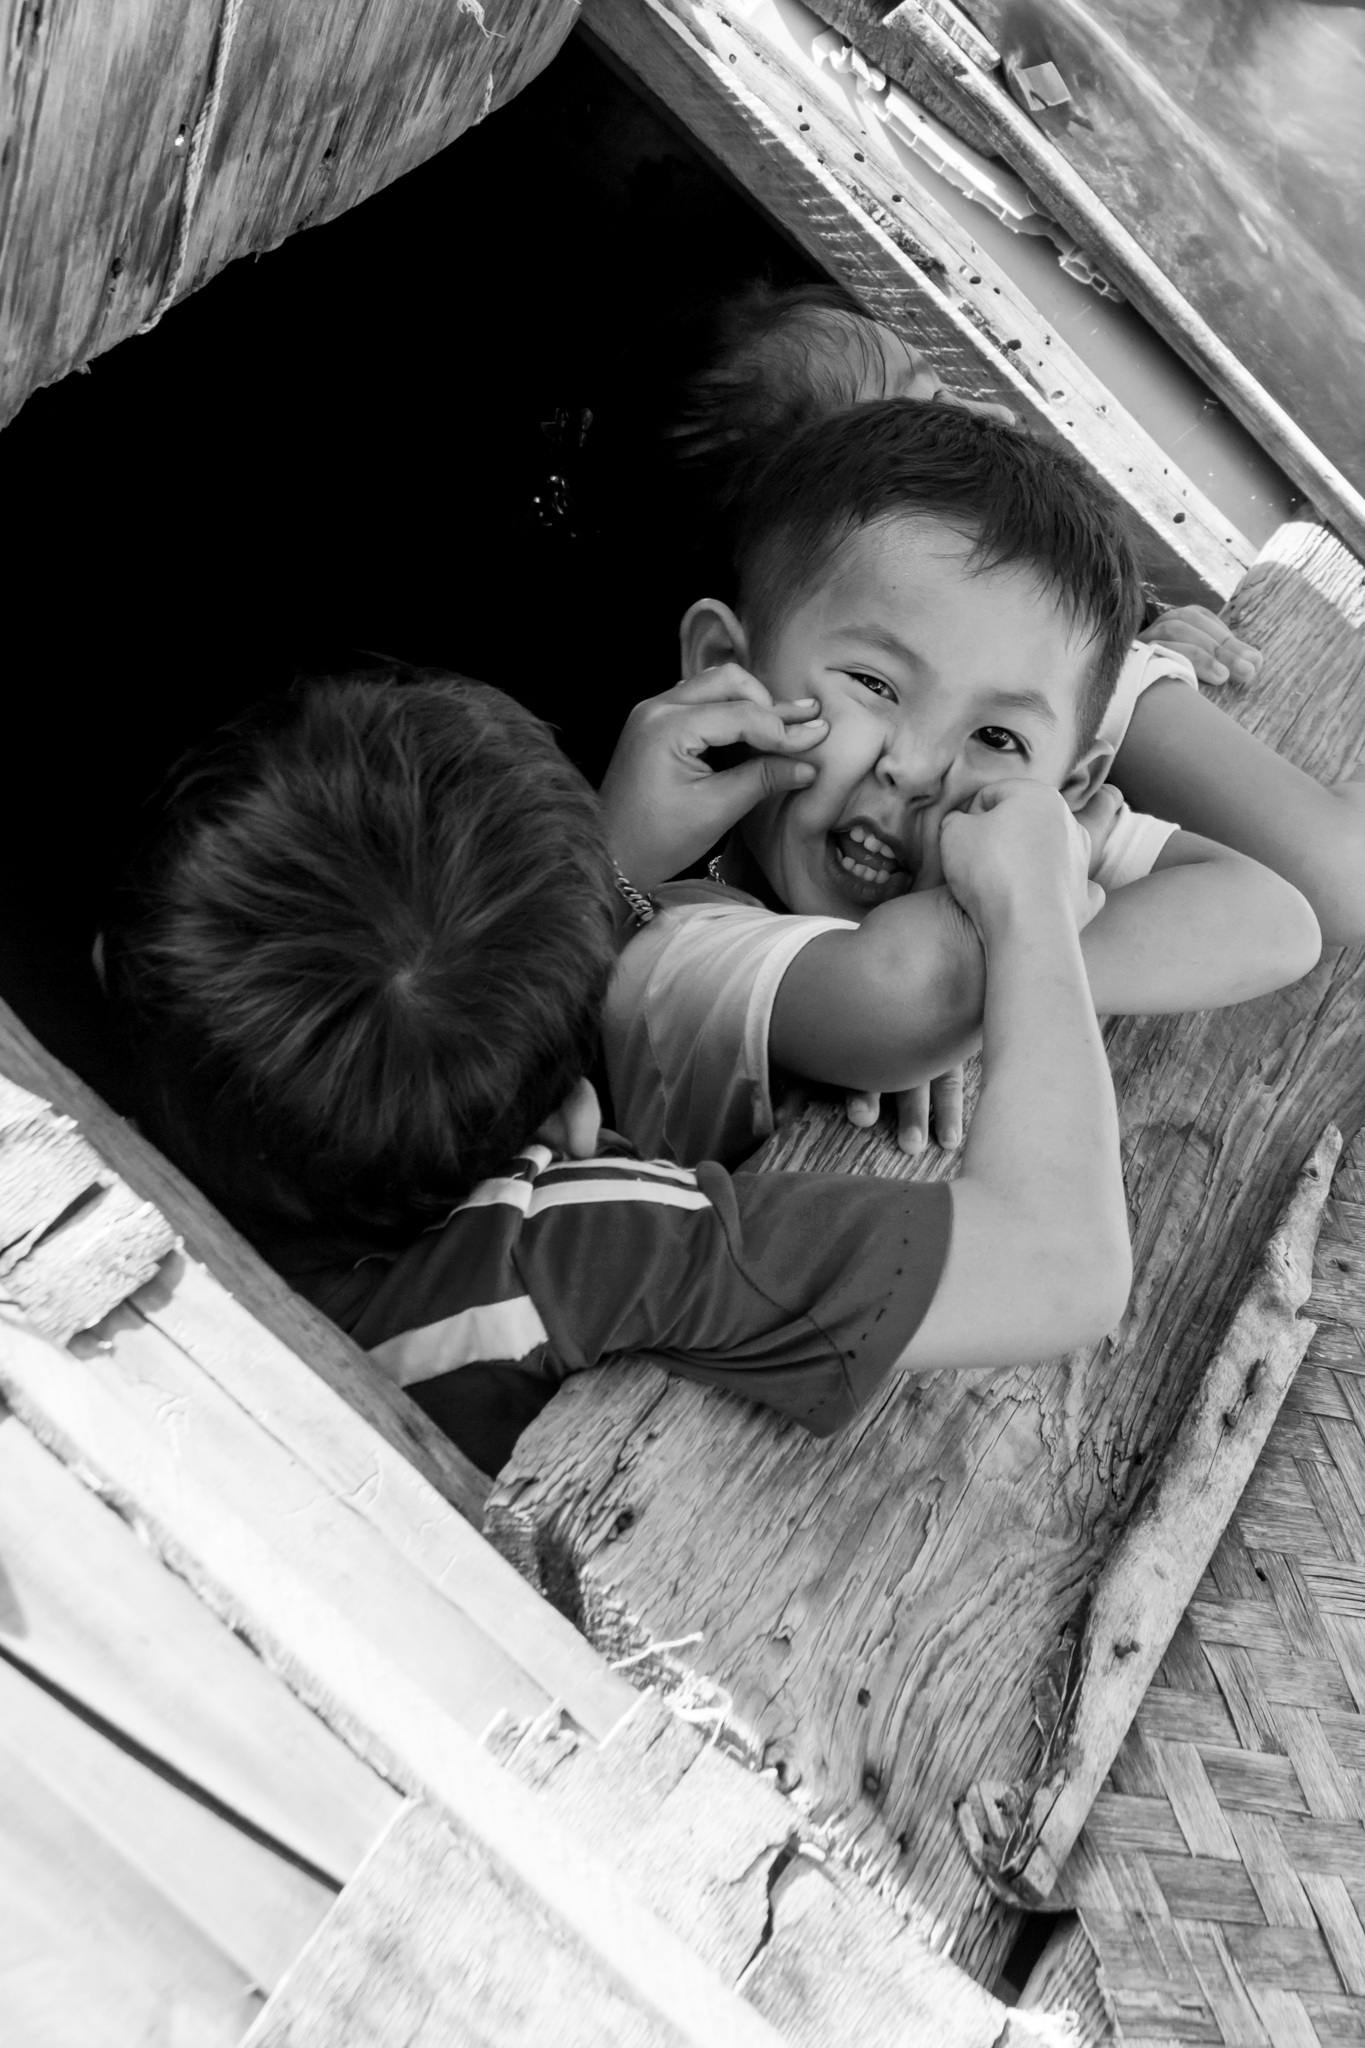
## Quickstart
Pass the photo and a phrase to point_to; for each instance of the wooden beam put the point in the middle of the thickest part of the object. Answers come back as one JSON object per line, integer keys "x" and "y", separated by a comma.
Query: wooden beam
{"x": 785, "y": 136}
{"x": 246, "y": 1900}
{"x": 908, "y": 35}
{"x": 89, "y": 1611}
{"x": 439, "y": 1942}
{"x": 348, "y": 1635}
{"x": 94, "y": 1954}
{"x": 149, "y": 144}
{"x": 873, "y": 1612}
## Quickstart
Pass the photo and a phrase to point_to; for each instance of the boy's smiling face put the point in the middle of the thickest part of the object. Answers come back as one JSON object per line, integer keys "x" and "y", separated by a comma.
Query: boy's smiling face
{"x": 935, "y": 679}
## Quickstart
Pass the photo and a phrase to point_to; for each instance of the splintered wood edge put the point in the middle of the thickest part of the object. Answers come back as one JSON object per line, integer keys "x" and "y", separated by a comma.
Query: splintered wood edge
{"x": 1019, "y": 1836}
{"x": 119, "y": 1154}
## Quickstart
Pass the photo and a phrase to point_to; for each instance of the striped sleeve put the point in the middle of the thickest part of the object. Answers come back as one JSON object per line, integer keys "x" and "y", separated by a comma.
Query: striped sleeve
{"x": 799, "y": 1291}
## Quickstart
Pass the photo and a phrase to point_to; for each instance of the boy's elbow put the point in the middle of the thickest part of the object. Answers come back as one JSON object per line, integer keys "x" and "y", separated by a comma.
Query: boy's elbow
{"x": 1300, "y": 934}
{"x": 1089, "y": 1290}
{"x": 1340, "y": 898}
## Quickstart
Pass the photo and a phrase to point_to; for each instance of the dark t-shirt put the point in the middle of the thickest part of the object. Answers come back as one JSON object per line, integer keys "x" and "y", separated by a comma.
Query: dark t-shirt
{"x": 796, "y": 1290}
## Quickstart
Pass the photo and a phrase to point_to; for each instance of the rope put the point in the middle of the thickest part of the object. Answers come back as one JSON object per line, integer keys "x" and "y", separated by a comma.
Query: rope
{"x": 194, "y": 169}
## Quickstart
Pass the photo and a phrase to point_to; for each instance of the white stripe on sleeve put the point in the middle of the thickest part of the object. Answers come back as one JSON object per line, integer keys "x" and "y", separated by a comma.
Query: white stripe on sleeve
{"x": 494, "y": 1332}
{"x": 565, "y": 1194}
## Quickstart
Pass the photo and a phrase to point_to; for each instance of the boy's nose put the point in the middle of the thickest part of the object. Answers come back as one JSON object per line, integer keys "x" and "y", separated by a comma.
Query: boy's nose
{"x": 914, "y": 767}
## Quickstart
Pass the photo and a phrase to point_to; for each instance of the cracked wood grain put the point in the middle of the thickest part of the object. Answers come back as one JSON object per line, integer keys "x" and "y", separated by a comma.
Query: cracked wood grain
{"x": 724, "y": 1858}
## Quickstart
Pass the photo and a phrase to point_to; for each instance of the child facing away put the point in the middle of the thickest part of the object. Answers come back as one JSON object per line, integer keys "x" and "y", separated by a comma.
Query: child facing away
{"x": 958, "y": 599}
{"x": 359, "y": 967}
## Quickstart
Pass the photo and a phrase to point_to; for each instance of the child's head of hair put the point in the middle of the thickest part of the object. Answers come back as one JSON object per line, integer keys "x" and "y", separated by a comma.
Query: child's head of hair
{"x": 364, "y": 954}
{"x": 768, "y": 361}
{"x": 1020, "y": 503}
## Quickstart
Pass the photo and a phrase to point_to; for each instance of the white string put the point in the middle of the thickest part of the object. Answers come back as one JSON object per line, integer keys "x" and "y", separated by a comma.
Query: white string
{"x": 194, "y": 169}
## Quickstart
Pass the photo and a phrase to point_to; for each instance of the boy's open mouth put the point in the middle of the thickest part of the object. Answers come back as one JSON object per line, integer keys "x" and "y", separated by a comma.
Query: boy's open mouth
{"x": 867, "y": 864}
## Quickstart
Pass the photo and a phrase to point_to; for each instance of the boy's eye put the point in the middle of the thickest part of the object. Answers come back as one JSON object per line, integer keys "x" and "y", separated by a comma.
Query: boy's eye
{"x": 877, "y": 684}
{"x": 1001, "y": 740}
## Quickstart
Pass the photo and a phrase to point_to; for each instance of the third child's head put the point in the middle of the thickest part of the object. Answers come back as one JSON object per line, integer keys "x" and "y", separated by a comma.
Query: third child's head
{"x": 364, "y": 954}
{"x": 769, "y": 361}
{"x": 958, "y": 597}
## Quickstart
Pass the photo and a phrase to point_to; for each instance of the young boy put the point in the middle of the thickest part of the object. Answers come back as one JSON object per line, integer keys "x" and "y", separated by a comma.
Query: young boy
{"x": 771, "y": 361}
{"x": 359, "y": 968}
{"x": 960, "y": 600}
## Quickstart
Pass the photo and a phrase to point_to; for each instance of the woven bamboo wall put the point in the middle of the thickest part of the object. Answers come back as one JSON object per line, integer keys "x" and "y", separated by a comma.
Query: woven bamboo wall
{"x": 1221, "y": 1876}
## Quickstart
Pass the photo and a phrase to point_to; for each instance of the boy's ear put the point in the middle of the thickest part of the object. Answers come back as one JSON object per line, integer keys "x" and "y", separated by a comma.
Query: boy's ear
{"x": 710, "y": 634}
{"x": 1088, "y": 771}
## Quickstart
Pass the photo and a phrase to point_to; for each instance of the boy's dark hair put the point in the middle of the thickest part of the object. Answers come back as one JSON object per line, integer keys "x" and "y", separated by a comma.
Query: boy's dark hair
{"x": 365, "y": 954}
{"x": 1021, "y": 502}
{"x": 761, "y": 368}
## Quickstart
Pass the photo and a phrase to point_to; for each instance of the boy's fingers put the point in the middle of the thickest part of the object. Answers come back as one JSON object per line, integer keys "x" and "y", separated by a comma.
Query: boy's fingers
{"x": 946, "y": 1094}
{"x": 730, "y": 724}
{"x": 720, "y": 685}
{"x": 912, "y": 1120}
{"x": 735, "y": 791}
{"x": 863, "y": 1110}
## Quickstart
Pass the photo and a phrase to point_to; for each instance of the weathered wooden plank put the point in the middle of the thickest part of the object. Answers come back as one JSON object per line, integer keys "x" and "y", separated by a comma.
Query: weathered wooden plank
{"x": 92, "y": 1954}
{"x": 151, "y": 1391}
{"x": 87, "y": 1607}
{"x": 278, "y": 1391}
{"x": 151, "y": 144}
{"x": 121, "y": 1152}
{"x": 906, "y": 34}
{"x": 60, "y": 1288}
{"x": 1022, "y": 1835}
{"x": 730, "y": 1863}
{"x": 437, "y": 1944}
{"x": 313, "y": 1611}
{"x": 252, "y": 1904}
{"x": 787, "y": 139}
{"x": 875, "y": 1611}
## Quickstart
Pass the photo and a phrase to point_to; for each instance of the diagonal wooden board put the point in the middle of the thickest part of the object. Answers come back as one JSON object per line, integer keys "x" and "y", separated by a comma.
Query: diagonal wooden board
{"x": 783, "y": 134}
{"x": 874, "y": 1612}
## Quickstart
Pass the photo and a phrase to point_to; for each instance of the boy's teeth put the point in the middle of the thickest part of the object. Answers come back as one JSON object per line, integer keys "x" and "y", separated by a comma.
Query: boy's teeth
{"x": 872, "y": 842}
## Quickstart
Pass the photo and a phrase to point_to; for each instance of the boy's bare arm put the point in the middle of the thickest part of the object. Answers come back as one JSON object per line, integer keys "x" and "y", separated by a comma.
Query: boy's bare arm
{"x": 1183, "y": 758}
{"x": 1207, "y": 927}
{"x": 1039, "y": 1261}
{"x": 894, "y": 1003}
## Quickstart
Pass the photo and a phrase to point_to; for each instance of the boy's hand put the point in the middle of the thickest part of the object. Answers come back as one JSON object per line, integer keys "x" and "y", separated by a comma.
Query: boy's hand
{"x": 664, "y": 804}
{"x": 940, "y": 1100}
{"x": 1211, "y": 648}
{"x": 1014, "y": 841}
